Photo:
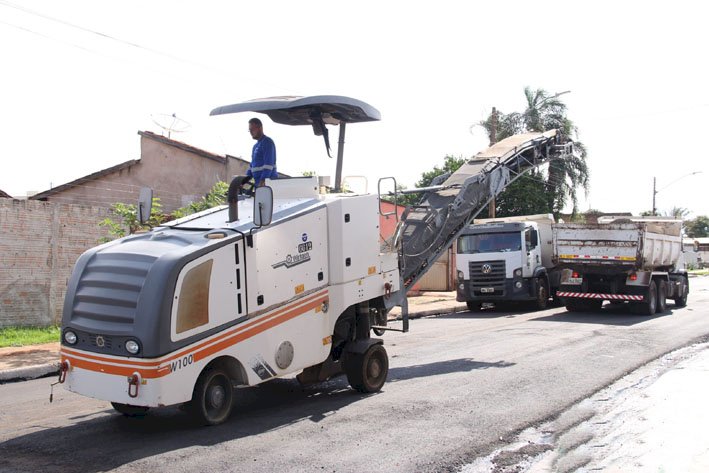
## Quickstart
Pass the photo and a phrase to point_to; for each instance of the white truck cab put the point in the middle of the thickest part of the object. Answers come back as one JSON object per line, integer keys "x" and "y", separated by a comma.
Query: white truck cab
{"x": 507, "y": 259}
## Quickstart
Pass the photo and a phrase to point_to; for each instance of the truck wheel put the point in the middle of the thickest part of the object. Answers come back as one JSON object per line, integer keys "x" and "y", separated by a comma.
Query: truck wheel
{"x": 681, "y": 301}
{"x": 473, "y": 306}
{"x": 367, "y": 372}
{"x": 542, "y": 294}
{"x": 661, "y": 296}
{"x": 583, "y": 305}
{"x": 212, "y": 397}
{"x": 130, "y": 411}
{"x": 649, "y": 306}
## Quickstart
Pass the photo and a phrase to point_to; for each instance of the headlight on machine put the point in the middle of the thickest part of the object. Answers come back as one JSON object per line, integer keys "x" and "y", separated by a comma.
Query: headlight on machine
{"x": 70, "y": 337}
{"x": 461, "y": 276}
{"x": 518, "y": 284}
{"x": 518, "y": 273}
{"x": 132, "y": 347}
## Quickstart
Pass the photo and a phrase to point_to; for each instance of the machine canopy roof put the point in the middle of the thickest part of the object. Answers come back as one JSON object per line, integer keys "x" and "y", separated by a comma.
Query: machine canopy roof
{"x": 315, "y": 110}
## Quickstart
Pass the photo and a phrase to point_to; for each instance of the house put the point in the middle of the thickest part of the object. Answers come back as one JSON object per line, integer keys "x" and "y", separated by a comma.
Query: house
{"x": 177, "y": 172}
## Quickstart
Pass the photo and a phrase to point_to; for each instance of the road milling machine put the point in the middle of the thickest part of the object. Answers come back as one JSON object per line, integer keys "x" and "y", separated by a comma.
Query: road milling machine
{"x": 287, "y": 280}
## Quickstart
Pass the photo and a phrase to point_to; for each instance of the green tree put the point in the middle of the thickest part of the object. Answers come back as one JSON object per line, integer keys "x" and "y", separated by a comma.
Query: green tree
{"x": 450, "y": 165}
{"x": 545, "y": 112}
{"x": 678, "y": 213}
{"x": 697, "y": 227}
{"x": 128, "y": 222}
{"x": 525, "y": 196}
{"x": 216, "y": 196}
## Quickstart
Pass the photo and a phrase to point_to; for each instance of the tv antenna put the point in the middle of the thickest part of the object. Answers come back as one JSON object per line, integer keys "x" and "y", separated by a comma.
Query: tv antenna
{"x": 170, "y": 123}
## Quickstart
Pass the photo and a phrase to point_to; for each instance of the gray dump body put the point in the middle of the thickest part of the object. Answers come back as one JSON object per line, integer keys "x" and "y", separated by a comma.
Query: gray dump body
{"x": 628, "y": 245}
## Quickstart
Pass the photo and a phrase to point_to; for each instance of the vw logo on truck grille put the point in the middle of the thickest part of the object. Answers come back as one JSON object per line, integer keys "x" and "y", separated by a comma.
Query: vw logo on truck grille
{"x": 486, "y": 268}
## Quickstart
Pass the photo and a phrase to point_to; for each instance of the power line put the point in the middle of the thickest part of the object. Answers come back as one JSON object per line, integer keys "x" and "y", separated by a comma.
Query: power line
{"x": 125, "y": 43}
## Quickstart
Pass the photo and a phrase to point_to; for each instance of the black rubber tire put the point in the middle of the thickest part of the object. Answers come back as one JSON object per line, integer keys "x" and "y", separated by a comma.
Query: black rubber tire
{"x": 367, "y": 372}
{"x": 682, "y": 300}
{"x": 542, "y": 300}
{"x": 212, "y": 397}
{"x": 583, "y": 305}
{"x": 649, "y": 306}
{"x": 473, "y": 306}
{"x": 661, "y": 296}
{"x": 129, "y": 410}
{"x": 378, "y": 332}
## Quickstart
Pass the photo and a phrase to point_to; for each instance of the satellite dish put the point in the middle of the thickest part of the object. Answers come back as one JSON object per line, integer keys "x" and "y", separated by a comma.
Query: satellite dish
{"x": 170, "y": 123}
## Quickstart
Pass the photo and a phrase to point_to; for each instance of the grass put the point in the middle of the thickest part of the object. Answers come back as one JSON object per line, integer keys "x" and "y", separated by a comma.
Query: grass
{"x": 699, "y": 272}
{"x": 24, "y": 336}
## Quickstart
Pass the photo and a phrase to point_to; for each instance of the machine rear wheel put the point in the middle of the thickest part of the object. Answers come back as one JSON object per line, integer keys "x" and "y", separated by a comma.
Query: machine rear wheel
{"x": 368, "y": 372}
{"x": 130, "y": 411}
{"x": 212, "y": 397}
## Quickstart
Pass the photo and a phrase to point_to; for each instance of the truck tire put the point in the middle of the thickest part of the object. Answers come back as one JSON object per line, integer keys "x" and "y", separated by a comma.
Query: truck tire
{"x": 583, "y": 305}
{"x": 649, "y": 305}
{"x": 473, "y": 306}
{"x": 661, "y": 296}
{"x": 542, "y": 294}
{"x": 681, "y": 301}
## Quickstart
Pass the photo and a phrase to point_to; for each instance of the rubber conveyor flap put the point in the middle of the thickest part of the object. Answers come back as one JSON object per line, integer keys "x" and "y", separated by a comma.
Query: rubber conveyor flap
{"x": 429, "y": 228}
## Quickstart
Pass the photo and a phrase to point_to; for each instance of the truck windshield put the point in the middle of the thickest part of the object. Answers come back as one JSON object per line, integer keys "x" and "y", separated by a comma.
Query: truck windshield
{"x": 489, "y": 243}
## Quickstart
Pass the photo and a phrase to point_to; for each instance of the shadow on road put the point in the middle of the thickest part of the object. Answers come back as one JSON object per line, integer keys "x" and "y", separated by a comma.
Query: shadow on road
{"x": 104, "y": 442}
{"x": 442, "y": 367}
{"x": 608, "y": 315}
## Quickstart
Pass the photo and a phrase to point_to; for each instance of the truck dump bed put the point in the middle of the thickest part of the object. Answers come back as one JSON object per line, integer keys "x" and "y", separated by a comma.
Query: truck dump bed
{"x": 639, "y": 245}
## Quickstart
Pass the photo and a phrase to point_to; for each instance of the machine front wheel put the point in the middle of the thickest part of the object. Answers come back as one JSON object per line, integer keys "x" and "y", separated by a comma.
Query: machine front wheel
{"x": 212, "y": 397}
{"x": 367, "y": 372}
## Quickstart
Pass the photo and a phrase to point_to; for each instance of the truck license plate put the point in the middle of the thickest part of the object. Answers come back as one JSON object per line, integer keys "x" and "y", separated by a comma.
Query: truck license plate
{"x": 574, "y": 281}
{"x": 487, "y": 290}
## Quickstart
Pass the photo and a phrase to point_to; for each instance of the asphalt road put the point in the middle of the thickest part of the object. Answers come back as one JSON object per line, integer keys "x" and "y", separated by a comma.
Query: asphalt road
{"x": 460, "y": 386}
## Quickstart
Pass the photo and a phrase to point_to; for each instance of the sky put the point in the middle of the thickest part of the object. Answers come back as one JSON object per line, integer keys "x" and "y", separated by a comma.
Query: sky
{"x": 81, "y": 78}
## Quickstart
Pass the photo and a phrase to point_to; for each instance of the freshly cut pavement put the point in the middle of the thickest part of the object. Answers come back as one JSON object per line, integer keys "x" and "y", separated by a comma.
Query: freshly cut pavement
{"x": 460, "y": 385}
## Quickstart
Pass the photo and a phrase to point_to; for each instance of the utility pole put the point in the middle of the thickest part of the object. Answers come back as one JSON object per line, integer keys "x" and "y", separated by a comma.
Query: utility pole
{"x": 654, "y": 193}
{"x": 493, "y": 140}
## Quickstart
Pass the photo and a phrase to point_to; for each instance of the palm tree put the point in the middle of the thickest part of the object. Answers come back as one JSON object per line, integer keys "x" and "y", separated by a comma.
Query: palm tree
{"x": 545, "y": 112}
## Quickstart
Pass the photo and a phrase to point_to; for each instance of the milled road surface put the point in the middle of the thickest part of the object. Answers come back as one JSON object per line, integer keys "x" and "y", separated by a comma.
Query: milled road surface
{"x": 460, "y": 386}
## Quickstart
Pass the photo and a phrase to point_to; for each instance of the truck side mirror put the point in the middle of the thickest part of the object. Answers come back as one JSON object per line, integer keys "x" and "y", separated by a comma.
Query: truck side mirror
{"x": 263, "y": 206}
{"x": 145, "y": 204}
{"x": 534, "y": 238}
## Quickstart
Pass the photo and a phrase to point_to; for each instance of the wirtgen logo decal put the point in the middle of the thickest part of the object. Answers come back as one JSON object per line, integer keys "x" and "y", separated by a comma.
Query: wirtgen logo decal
{"x": 301, "y": 256}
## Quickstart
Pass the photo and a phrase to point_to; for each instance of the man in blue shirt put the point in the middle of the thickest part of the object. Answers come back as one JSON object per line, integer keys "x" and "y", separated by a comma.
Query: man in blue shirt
{"x": 263, "y": 155}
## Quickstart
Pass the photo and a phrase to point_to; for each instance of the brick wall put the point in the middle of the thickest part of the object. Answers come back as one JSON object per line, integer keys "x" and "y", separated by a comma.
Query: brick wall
{"x": 39, "y": 243}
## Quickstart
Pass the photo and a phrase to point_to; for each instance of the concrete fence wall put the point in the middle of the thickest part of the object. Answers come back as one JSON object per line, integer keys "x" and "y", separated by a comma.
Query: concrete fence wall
{"x": 39, "y": 244}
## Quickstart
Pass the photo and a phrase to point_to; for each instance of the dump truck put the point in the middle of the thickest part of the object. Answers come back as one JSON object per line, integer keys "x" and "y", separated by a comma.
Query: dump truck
{"x": 635, "y": 261}
{"x": 282, "y": 280}
{"x": 506, "y": 259}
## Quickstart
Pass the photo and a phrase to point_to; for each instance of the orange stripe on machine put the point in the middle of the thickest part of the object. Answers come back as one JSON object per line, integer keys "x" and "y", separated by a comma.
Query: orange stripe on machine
{"x": 163, "y": 367}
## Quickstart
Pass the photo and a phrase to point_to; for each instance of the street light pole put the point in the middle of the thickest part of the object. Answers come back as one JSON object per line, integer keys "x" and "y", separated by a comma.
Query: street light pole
{"x": 655, "y": 190}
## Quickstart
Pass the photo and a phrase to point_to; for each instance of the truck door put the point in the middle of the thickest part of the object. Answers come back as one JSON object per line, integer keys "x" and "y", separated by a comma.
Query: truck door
{"x": 531, "y": 243}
